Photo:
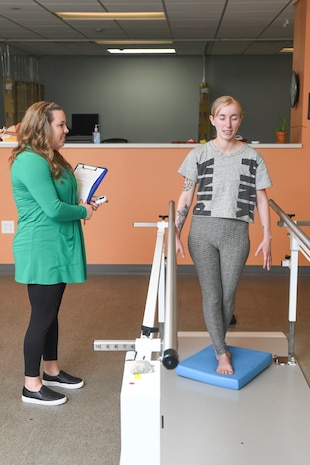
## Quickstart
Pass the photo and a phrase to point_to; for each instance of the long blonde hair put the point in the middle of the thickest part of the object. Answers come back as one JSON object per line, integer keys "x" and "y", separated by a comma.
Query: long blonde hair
{"x": 35, "y": 134}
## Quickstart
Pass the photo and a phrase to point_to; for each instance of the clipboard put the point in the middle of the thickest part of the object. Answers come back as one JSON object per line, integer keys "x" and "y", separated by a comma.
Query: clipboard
{"x": 88, "y": 179}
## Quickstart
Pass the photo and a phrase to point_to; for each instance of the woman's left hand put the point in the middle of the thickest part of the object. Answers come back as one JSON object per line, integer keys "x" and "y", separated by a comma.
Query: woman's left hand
{"x": 262, "y": 204}
{"x": 265, "y": 248}
{"x": 93, "y": 204}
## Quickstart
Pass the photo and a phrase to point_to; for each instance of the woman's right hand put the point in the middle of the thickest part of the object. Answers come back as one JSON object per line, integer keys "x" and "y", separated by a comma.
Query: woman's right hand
{"x": 89, "y": 209}
{"x": 179, "y": 247}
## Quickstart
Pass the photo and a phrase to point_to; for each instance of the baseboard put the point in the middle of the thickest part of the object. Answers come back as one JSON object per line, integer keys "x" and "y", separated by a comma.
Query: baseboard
{"x": 7, "y": 269}
{"x": 249, "y": 270}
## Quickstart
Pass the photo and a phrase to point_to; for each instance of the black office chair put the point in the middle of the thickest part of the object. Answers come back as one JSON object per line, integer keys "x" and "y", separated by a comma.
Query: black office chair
{"x": 114, "y": 140}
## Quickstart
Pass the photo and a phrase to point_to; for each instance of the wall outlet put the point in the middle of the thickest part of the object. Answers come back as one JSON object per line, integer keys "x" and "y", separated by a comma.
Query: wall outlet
{"x": 7, "y": 227}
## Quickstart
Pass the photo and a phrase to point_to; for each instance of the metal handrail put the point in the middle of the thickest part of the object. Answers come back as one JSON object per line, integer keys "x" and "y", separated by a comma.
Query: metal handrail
{"x": 300, "y": 235}
{"x": 299, "y": 241}
{"x": 170, "y": 357}
{"x": 161, "y": 295}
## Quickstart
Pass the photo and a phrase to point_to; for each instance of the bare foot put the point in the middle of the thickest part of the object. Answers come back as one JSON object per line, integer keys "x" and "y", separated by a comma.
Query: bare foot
{"x": 224, "y": 365}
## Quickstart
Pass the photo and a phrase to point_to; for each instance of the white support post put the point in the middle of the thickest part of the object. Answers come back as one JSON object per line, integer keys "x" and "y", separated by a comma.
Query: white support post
{"x": 161, "y": 291}
{"x": 292, "y": 298}
{"x": 293, "y": 278}
{"x": 156, "y": 285}
{"x": 151, "y": 300}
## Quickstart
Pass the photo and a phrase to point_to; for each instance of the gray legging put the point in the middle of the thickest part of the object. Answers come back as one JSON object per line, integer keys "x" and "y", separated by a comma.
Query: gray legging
{"x": 219, "y": 248}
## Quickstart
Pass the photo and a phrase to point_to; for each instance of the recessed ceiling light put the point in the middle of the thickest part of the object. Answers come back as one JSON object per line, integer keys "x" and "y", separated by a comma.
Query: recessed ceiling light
{"x": 112, "y": 16}
{"x": 124, "y": 51}
{"x": 133, "y": 42}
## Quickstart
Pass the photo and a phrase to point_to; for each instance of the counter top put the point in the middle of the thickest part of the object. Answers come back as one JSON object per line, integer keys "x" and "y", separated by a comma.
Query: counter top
{"x": 158, "y": 146}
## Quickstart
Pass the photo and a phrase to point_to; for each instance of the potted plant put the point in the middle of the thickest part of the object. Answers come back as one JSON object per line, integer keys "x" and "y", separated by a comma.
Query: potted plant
{"x": 281, "y": 131}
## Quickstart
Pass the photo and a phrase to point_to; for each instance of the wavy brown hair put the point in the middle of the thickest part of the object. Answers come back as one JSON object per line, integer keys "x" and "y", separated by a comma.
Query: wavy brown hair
{"x": 35, "y": 135}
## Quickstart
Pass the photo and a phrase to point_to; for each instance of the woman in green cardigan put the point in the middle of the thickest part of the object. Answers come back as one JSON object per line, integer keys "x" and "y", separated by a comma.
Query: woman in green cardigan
{"x": 48, "y": 246}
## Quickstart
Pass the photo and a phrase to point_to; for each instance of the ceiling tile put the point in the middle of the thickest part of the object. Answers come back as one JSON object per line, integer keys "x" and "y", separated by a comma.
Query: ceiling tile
{"x": 196, "y": 27}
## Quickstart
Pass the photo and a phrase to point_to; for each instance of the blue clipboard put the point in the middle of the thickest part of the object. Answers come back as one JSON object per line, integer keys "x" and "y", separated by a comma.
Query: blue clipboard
{"x": 88, "y": 179}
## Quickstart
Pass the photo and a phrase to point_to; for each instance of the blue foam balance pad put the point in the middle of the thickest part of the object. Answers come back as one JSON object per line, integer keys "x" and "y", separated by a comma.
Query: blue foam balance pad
{"x": 247, "y": 364}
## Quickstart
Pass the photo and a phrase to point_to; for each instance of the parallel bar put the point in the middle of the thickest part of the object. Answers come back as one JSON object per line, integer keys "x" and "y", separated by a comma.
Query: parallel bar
{"x": 170, "y": 346}
{"x": 301, "y": 236}
{"x": 299, "y": 241}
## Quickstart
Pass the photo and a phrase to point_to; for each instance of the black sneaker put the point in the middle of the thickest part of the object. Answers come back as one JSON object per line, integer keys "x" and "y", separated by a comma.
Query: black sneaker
{"x": 62, "y": 380}
{"x": 233, "y": 321}
{"x": 43, "y": 397}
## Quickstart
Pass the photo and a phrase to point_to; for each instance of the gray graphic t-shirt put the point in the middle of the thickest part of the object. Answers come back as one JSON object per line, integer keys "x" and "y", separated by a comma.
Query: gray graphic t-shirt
{"x": 227, "y": 183}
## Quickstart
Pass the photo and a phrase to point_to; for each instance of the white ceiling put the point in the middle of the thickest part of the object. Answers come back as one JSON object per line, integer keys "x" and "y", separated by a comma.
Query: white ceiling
{"x": 197, "y": 27}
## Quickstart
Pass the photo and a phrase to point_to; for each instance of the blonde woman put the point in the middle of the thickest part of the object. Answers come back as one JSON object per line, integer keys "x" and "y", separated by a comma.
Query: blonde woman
{"x": 231, "y": 179}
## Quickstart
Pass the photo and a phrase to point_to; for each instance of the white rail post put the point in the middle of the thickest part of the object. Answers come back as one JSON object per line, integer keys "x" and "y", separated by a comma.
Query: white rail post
{"x": 292, "y": 298}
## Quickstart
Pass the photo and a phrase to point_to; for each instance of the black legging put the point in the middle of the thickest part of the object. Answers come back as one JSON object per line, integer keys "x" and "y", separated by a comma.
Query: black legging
{"x": 41, "y": 338}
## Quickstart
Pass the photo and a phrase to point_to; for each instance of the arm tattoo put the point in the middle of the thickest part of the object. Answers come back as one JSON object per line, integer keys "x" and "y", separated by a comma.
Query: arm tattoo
{"x": 188, "y": 184}
{"x": 181, "y": 214}
{"x": 181, "y": 217}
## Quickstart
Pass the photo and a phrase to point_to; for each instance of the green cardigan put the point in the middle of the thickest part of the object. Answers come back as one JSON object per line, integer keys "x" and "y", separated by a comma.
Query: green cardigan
{"x": 49, "y": 245}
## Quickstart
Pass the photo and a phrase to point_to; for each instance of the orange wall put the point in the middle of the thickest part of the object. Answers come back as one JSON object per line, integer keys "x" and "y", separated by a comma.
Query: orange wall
{"x": 142, "y": 180}
{"x": 139, "y": 185}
